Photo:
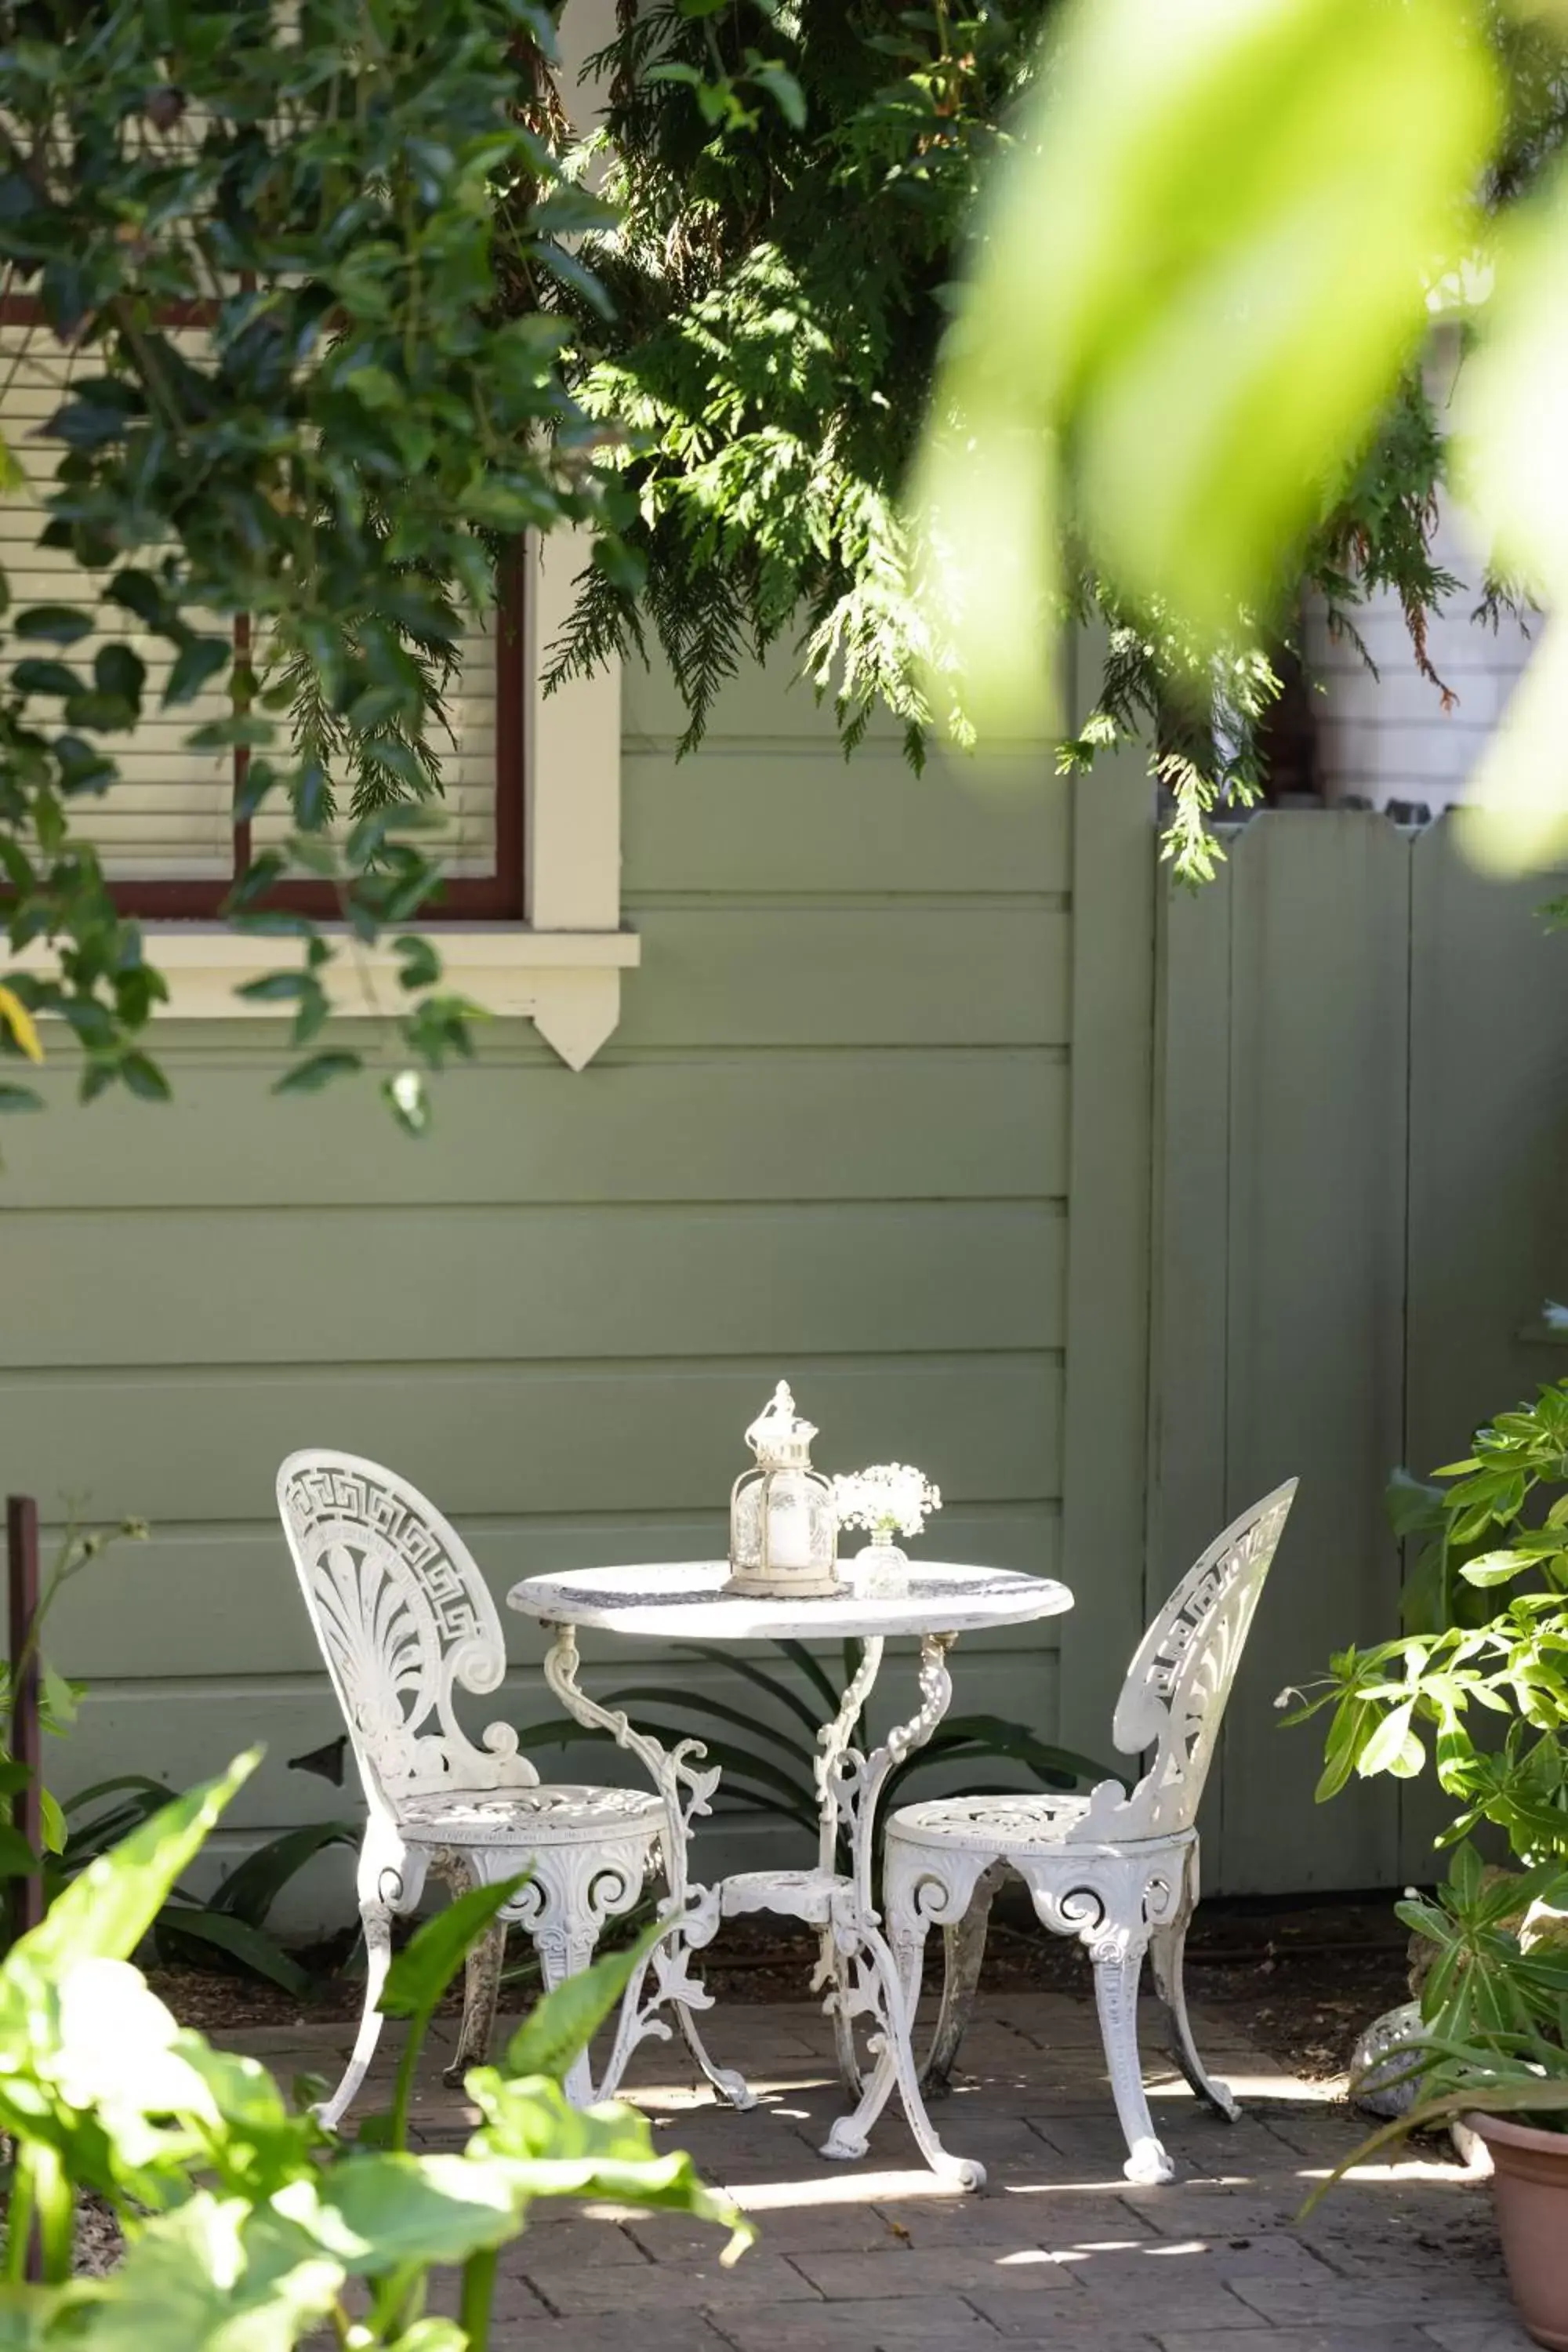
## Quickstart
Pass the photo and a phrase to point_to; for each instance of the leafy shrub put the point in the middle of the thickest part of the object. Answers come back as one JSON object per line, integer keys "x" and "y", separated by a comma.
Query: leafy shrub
{"x": 244, "y": 2221}
{"x": 1465, "y": 1681}
{"x": 1485, "y": 1689}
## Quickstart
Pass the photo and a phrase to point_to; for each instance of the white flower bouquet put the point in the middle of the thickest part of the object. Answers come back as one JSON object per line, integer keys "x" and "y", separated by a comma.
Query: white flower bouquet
{"x": 890, "y": 1498}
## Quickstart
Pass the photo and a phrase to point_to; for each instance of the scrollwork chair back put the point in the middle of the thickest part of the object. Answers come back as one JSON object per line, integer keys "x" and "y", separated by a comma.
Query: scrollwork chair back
{"x": 404, "y": 1620}
{"x": 1173, "y": 1698}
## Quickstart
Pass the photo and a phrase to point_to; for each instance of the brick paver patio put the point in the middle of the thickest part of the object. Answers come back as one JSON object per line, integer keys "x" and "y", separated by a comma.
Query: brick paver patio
{"x": 1057, "y": 2251}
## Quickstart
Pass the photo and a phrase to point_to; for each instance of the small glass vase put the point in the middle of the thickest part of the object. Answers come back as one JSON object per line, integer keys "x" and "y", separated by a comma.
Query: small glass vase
{"x": 882, "y": 1571}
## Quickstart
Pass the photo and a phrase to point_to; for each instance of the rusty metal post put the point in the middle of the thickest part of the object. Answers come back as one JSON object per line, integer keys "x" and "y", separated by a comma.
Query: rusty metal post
{"x": 22, "y": 1598}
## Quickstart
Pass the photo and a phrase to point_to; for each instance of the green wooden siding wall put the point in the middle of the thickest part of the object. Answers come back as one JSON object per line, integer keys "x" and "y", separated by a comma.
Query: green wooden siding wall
{"x": 832, "y": 1139}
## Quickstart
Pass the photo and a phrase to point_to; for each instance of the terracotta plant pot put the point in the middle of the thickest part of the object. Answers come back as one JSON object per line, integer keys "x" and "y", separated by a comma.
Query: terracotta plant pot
{"x": 1529, "y": 2180}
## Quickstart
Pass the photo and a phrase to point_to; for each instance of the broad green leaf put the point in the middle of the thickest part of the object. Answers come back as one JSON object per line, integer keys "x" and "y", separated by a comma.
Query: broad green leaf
{"x": 310, "y": 1077}
{"x": 1485, "y": 2093}
{"x": 1413, "y": 1508}
{"x": 559, "y": 2150}
{"x": 252, "y": 1887}
{"x": 371, "y": 2212}
{"x": 274, "y": 987}
{"x": 234, "y": 1939}
{"x": 106, "y": 1912}
{"x": 61, "y": 1698}
{"x": 211, "y": 2277}
{"x": 17, "y": 1859}
{"x": 421, "y": 1973}
{"x": 777, "y": 1687}
{"x": 16, "y": 1017}
{"x": 1496, "y": 1568}
{"x": 25, "y": 2312}
{"x": 418, "y": 965}
{"x": 61, "y": 625}
{"x": 561, "y": 2025}
{"x": 117, "y": 2047}
{"x": 144, "y": 1078}
{"x": 199, "y": 659}
{"x": 1514, "y": 817}
{"x": 1202, "y": 269}
{"x": 1393, "y": 1747}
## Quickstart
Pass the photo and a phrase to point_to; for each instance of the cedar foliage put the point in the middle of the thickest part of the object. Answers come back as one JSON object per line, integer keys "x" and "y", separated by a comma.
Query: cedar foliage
{"x": 795, "y": 186}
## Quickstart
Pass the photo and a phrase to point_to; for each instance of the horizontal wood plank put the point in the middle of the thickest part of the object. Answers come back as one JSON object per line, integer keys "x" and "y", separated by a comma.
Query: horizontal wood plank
{"x": 894, "y": 976}
{"x": 193, "y": 1603}
{"x": 477, "y": 1284}
{"x": 519, "y": 1439}
{"x": 722, "y": 1128}
{"x": 771, "y": 822}
{"x": 183, "y": 1733}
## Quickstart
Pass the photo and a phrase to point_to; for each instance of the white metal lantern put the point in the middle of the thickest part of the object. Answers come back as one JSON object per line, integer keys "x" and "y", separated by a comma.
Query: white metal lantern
{"x": 784, "y": 1526}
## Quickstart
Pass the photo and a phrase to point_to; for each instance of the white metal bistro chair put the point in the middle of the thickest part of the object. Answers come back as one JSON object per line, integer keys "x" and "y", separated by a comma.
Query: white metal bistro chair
{"x": 404, "y": 1620}
{"x": 1118, "y": 1870}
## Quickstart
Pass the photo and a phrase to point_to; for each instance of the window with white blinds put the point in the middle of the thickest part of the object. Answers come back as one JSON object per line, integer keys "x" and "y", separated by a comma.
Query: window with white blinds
{"x": 165, "y": 828}
{"x": 170, "y": 817}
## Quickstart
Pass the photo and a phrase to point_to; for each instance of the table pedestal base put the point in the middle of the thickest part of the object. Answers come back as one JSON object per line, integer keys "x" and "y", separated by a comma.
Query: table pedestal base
{"x": 858, "y": 1966}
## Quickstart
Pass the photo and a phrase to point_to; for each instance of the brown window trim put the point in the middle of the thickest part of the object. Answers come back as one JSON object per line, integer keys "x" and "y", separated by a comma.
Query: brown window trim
{"x": 472, "y": 897}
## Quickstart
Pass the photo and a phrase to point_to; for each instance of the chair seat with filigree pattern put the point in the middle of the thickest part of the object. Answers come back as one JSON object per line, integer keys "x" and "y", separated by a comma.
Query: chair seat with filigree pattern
{"x": 407, "y": 1623}
{"x": 1118, "y": 1868}
{"x": 512, "y": 1816}
{"x": 1027, "y": 1820}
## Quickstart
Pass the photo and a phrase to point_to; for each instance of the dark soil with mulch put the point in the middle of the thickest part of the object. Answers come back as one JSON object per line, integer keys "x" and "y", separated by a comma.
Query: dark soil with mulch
{"x": 1303, "y": 1979}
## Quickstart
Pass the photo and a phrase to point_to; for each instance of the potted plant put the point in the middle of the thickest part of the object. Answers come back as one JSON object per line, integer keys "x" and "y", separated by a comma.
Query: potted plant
{"x": 1493, "y": 2044}
{"x": 1492, "y": 2055}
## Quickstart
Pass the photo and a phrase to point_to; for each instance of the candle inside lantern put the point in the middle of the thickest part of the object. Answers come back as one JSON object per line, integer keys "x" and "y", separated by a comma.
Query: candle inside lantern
{"x": 789, "y": 1522}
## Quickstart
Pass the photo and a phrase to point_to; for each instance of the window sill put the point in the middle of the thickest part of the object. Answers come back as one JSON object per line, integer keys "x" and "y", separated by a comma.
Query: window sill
{"x": 568, "y": 983}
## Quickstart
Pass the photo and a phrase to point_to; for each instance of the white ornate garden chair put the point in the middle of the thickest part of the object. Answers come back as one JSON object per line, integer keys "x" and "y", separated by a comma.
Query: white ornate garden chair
{"x": 406, "y": 1621}
{"x": 1118, "y": 1870}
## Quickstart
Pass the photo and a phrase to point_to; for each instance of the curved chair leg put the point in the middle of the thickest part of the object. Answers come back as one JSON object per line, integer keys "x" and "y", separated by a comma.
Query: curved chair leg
{"x": 1166, "y": 1946}
{"x": 564, "y": 1950}
{"x": 1117, "y": 1964}
{"x": 963, "y": 1956}
{"x": 377, "y": 1922}
{"x": 481, "y": 1970}
{"x": 481, "y": 1995}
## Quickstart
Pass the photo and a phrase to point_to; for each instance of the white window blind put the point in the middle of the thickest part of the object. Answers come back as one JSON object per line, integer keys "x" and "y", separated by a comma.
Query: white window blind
{"x": 168, "y": 817}
{"x": 464, "y": 842}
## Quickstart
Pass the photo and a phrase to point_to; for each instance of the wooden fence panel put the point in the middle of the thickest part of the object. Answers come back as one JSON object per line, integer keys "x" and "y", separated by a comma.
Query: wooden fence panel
{"x": 1283, "y": 1227}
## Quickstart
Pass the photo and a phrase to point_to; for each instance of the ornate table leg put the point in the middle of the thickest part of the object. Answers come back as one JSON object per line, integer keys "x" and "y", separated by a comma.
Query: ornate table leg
{"x": 691, "y": 1913}
{"x": 868, "y": 1980}
{"x": 834, "y": 1742}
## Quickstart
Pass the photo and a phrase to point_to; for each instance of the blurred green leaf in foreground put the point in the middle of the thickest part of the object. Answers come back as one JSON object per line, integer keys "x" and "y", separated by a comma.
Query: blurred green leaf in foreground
{"x": 1222, "y": 234}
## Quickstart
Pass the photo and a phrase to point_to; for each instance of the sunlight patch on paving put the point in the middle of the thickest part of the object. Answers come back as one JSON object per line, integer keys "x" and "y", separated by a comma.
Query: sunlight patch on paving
{"x": 841, "y": 2189}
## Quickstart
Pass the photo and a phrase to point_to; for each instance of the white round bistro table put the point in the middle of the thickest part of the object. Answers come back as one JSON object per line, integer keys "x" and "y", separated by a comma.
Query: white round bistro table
{"x": 685, "y": 1602}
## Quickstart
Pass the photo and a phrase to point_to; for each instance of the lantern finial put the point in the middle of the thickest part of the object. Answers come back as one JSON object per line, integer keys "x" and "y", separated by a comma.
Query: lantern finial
{"x": 777, "y": 1434}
